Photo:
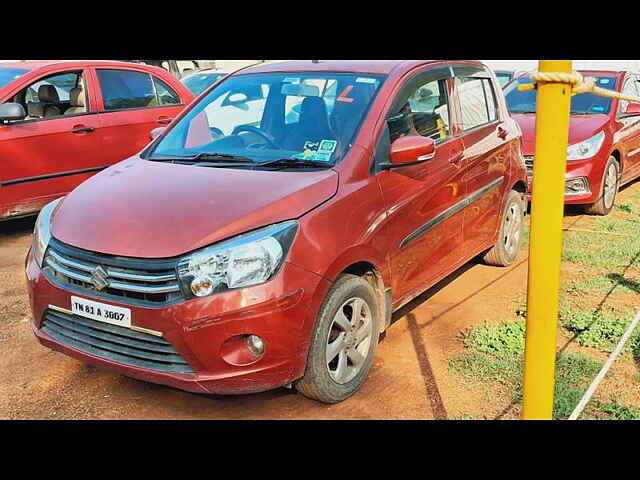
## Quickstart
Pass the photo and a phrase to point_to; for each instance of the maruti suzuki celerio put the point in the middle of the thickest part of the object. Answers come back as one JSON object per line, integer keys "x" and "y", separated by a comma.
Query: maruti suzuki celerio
{"x": 266, "y": 236}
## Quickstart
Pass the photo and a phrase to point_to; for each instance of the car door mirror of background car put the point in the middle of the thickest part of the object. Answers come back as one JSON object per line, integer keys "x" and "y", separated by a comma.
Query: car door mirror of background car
{"x": 11, "y": 111}
{"x": 632, "y": 109}
{"x": 410, "y": 150}
{"x": 156, "y": 132}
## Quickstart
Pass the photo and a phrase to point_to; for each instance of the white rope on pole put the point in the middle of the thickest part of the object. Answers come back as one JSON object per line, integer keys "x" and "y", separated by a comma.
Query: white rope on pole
{"x": 605, "y": 368}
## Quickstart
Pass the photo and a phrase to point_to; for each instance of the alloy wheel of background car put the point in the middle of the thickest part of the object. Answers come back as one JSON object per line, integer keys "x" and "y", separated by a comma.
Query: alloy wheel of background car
{"x": 349, "y": 340}
{"x": 505, "y": 251}
{"x": 344, "y": 341}
{"x": 608, "y": 191}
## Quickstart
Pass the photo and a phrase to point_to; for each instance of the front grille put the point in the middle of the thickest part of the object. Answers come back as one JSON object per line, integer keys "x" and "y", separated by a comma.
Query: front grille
{"x": 528, "y": 161}
{"x": 113, "y": 342}
{"x": 128, "y": 280}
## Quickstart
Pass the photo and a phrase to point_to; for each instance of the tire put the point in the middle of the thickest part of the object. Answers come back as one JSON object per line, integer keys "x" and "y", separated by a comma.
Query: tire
{"x": 505, "y": 251}
{"x": 325, "y": 380}
{"x": 608, "y": 189}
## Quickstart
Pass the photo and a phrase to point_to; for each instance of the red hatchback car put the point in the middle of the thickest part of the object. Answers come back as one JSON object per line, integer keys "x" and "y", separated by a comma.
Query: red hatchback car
{"x": 249, "y": 247}
{"x": 604, "y": 138}
{"x": 61, "y": 122}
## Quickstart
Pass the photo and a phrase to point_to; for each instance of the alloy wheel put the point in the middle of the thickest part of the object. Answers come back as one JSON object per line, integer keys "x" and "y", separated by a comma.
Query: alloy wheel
{"x": 349, "y": 340}
{"x": 512, "y": 228}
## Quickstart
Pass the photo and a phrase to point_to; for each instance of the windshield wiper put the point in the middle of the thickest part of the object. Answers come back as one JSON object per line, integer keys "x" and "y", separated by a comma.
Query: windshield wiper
{"x": 207, "y": 157}
{"x": 293, "y": 162}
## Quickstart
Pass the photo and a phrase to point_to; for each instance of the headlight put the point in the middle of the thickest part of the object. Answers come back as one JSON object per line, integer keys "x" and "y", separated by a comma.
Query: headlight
{"x": 585, "y": 149}
{"x": 41, "y": 232}
{"x": 243, "y": 261}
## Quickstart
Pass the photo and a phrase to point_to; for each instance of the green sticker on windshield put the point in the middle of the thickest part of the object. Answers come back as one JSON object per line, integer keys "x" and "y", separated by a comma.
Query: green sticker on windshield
{"x": 321, "y": 150}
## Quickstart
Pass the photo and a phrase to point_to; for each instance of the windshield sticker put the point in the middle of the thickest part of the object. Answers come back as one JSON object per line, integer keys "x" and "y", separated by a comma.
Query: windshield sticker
{"x": 603, "y": 81}
{"x": 598, "y": 109}
{"x": 320, "y": 151}
{"x": 343, "y": 96}
{"x": 365, "y": 80}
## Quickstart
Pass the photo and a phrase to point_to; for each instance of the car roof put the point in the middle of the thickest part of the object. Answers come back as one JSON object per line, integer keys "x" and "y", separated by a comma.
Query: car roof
{"x": 36, "y": 64}
{"x": 355, "y": 66}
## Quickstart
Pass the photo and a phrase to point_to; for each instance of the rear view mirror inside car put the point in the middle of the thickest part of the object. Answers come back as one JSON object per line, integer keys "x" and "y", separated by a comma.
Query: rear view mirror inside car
{"x": 300, "y": 90}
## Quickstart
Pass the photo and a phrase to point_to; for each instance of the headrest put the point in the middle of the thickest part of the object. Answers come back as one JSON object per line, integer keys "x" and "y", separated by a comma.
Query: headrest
{"x": 312, "y": 106}
{"x": 48, "y": 94}
{"x": 76, "y": 97}
{"x": 35, "y": 110}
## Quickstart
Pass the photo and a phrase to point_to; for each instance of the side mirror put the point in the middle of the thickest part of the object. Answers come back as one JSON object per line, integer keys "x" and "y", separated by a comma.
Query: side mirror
{"x": 410, "y": 150}
{"x": 155, "y": 133}
{"x": 11, "y": 111}
{"x": 632, "y": 109}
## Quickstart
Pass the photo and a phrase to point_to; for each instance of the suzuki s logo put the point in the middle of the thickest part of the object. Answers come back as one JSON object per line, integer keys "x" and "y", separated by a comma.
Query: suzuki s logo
{"x": 99, "y": 278}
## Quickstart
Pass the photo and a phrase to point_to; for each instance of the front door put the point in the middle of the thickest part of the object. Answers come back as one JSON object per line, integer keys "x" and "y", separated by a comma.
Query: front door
{"x": 54, "y": 149}
{"x": 424, "y": 223}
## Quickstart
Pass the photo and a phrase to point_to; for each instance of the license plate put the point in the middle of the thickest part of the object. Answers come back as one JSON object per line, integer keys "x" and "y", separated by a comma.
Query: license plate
{"x": 101, "y": 311}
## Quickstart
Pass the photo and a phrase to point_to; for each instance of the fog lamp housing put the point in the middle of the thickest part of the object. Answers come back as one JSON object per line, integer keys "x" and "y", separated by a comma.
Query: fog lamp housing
{"x": 577, "y": 186}
{"x": 255, "y": 344}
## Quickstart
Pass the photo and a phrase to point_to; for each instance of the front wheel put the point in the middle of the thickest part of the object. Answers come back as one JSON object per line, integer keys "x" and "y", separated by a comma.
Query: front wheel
{"x": 343, "y": 343}
{"x": 505, "y": 250}
{"x": 608, "y": 190}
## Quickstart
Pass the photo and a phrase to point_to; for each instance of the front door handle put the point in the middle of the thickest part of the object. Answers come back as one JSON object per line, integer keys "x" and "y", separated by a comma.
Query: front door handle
{"x": 81, "y": 129}
{"x": 164, "y": 121}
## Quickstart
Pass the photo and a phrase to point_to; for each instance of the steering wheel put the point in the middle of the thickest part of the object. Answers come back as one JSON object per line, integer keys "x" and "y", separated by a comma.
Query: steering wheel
{"x": 267, "y": 136}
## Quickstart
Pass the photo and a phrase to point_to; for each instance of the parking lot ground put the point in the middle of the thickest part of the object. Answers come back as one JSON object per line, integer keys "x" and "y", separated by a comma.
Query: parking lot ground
{"x": 411, "y": 377}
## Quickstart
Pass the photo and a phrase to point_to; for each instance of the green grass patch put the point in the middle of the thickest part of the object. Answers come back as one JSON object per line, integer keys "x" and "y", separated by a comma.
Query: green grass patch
{"x": 495, "y": 354}
{"x": 506, "y": 338}
{"x": 600, "y": 330}
{"x": 625, "y": 207}
{"x": 603, "y": 283}
{"x": 615, "y": 411}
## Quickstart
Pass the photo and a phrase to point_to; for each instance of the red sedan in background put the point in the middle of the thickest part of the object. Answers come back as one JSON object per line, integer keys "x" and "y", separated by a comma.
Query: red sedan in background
{"x": 604, "y": 138}
{"x": 61, "y": 122}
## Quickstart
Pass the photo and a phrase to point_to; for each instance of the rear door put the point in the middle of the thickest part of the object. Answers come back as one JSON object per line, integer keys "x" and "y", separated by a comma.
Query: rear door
{"x": 132, "y": 103}
{"x": 44, "y": 157}
{"x": 486, "y": 154}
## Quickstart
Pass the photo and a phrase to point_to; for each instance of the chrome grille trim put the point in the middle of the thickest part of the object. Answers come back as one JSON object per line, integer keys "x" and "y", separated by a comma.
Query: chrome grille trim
{"x": 113, "y": 342}
{"x": 129, "y": 280}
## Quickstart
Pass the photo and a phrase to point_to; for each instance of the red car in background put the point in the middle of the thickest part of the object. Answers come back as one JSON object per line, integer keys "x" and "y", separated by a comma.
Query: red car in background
{"x": 61, "y": 122}
{"x": 604, "y": 138}
{"x": 247, "y": 248}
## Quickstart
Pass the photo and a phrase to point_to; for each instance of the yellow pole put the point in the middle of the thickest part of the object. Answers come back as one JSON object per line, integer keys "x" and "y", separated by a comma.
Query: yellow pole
{"x": 547, "y": 204}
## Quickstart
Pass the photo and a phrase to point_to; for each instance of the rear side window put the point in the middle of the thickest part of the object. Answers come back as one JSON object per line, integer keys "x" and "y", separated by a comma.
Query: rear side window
{"x": 126, "y": 89}
{"x": 166, "y": 95}
{"x": 477, "y": 102}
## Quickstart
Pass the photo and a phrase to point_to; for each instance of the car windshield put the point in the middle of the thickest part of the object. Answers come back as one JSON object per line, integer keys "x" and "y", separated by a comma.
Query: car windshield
{"x": 274, "y": 116}
{"x": 503, "y": 77}
{"x": 199, "y": 82}
{"x": 519, "y": 101}
{"x": 8, "y": 75}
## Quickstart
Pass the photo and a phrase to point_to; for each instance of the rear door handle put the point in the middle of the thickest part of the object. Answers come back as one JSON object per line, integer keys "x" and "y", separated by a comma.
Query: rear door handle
{"x": 502, "y": 132}
{"x": 81, "y": 129}
{"x": 164, "y": 121}
{"x": 456, "y": 158}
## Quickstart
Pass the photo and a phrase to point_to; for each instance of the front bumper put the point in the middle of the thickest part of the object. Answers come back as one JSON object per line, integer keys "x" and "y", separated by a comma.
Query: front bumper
{"x": 591, "y": 170}
{"x": 278, "y": 311}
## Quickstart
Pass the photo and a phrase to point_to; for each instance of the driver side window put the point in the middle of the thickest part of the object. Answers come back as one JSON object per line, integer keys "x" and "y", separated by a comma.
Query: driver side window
{"x": 51, "y": 96}
{"x": 422, "y": 108}
{"x": 629, "y": 88}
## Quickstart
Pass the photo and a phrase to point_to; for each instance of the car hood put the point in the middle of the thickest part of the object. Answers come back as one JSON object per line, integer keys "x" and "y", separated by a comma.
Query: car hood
{"x": 581, "y": 127}
{"x": 145, "y": 209}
